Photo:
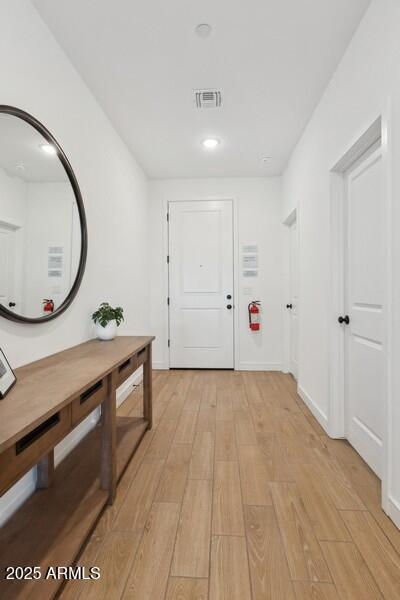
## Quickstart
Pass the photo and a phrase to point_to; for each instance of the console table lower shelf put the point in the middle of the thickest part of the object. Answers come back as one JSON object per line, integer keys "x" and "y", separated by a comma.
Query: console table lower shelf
{"x": 51, "y": 526}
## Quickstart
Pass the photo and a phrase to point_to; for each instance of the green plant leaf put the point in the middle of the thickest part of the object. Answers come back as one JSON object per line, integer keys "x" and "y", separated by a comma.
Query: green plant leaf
{"x": 106, "y": 313}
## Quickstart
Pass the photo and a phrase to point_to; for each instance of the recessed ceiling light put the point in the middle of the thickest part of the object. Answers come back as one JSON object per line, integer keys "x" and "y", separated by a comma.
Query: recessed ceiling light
{"x": 48, "y": 148}
{"x": 210, "y": 143}
{"x": 20, "y": 166}
{"x": 265, "y": 159}
{"x": 203, "y": 30}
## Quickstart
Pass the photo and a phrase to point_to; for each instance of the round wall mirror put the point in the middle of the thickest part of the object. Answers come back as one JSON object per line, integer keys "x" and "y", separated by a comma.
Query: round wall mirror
{"x": 43, "y": 234}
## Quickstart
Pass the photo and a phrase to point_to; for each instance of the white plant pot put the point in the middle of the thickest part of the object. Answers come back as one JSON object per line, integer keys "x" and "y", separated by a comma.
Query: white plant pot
{"x": 108, "y": 332}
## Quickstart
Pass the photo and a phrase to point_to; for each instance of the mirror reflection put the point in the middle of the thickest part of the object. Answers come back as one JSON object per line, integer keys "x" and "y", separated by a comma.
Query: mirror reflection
{"x": 40, "y": 232}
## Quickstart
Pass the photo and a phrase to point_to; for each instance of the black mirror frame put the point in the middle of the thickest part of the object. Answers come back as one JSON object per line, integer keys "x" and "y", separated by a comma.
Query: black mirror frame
{"x": 8, "y": 314}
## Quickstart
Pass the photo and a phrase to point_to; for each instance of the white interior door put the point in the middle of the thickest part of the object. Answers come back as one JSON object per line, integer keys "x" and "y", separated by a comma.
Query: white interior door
{"x": 293, "y": 305}
{"x": 201, "y": 284}
{"x": 365, "y": 334}
{"x": 7, "y": 267}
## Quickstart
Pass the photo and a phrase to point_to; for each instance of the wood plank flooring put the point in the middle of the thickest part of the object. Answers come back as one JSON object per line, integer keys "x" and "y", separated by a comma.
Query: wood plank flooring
{"x": 238, "y": 494}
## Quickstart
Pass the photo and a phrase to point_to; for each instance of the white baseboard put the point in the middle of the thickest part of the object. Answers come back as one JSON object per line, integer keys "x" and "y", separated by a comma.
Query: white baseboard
{"x": 17, "y": 495}
{"x": 316, "y": 411}
{"x": 243, "y": 366}
{"x": 261, "y": 366}
{"x": 394, "y": 511}
{"x": 21, "y": 491}
{"x": 160, "y": 366}
{"x": 76, "y": 435}
{"x": 127, "y": 387}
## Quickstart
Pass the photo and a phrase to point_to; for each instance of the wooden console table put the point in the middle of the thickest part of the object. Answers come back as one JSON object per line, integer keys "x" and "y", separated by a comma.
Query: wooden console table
{"x": 51, "y": 397}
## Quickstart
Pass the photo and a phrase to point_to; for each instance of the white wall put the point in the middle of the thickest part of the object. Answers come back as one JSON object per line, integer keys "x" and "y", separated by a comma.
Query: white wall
{"x": 366, "y": 82}
{"x": 12, "y": 198}
{"x": 49, "y": 222}
{"x": 13, "y": 207}
{"x": 258, "y": 216}
{"x": 37, "y": 77}
{"x": 46, "y": 215}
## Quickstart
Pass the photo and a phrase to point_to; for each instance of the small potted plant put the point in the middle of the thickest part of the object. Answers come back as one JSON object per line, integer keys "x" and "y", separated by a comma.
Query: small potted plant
{"x": 107, "y": 320}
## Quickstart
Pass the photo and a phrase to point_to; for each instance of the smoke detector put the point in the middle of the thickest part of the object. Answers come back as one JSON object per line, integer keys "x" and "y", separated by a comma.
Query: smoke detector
{"x": 208, "y": 98}
{"x": 203, "y": 30}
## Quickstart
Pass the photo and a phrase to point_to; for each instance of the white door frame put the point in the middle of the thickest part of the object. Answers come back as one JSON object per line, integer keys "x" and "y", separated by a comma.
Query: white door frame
{"x": 379, "y": 129}
{"x": 288, "y": 222}
{"x": 16, "y": 227}
{"x": 166, "y": 202}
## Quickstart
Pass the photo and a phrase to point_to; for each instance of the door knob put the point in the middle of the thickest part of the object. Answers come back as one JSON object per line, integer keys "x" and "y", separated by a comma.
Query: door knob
{"x": 11, "y": 304}
{"x": 229, "y": 306}
{"x": 289, "y": 305}
{"x": 228, "y": 297}
{"x": 345, "y": 319}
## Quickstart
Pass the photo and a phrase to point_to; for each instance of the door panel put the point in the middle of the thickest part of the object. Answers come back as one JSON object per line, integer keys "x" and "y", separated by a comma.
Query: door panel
{"x": 7, "y": 265}
{"x": 294, "y": 300}
{"x": 200, "y": 279}
{"x": 366, "y": 285}
{"x": 201, "y": 253}
{"x": 201, "y": 327}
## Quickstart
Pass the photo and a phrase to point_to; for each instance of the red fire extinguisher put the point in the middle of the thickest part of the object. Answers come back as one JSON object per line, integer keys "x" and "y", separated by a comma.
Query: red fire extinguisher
{"x": 48, "y": 306}
{"x": 254, "y": 315}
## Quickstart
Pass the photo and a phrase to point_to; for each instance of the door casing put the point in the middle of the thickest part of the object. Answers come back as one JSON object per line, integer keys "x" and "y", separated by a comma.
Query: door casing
{"x": 360, "y": 433}
{"x": 378, "y": 132}
{"x": 235, "y": 232}
{"x": 16, "y": 229}
{"x": 201, "y": 303}
{"x": 293, "y": 217}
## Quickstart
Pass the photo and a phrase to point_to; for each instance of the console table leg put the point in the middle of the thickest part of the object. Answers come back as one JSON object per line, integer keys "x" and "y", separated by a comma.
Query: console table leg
{"x": 148, "y": 388}
{"x": 45, "y": 471}
{"x": 108, "y": 439}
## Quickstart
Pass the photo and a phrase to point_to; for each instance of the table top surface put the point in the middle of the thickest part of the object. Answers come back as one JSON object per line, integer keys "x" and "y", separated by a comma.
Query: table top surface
{"x": 46, "y": 385}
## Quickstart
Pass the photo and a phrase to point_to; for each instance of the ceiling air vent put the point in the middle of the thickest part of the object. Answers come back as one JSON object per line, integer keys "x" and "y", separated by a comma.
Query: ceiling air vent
{"x": 208, "y": 98}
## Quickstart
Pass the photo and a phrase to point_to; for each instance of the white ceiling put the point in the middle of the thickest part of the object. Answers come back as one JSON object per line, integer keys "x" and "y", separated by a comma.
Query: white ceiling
{"x": 21, "y": 155}
{"x": 142, "y": 60}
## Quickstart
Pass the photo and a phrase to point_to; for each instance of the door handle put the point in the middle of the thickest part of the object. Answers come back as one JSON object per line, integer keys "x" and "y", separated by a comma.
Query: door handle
{"x": 345, "y": 319}
{"x": 229, "y": 306}
{"x": 289, "y": 305}
{"x": 229, "y": 297}
{"x": 11, "y": 304}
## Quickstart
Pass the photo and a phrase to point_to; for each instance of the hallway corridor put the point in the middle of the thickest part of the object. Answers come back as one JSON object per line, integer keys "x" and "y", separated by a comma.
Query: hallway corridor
{"x": 238, "y": 494}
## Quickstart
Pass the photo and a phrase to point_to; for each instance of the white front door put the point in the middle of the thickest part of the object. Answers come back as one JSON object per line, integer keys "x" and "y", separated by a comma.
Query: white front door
{"x": 201, "y": 284}
{"x": 293, "y": 305}
{"x": 7, "y": 267}
{"x": 365, "y": 306}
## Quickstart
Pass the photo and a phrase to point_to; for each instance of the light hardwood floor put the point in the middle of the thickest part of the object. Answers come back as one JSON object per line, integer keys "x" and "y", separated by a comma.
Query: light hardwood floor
{"x": 237, "y": 494}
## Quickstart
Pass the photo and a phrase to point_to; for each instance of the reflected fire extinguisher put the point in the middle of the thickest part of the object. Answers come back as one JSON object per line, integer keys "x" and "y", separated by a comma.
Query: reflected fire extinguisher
{"x": 254, "y": 315}
{"x": 48, "y": 306}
